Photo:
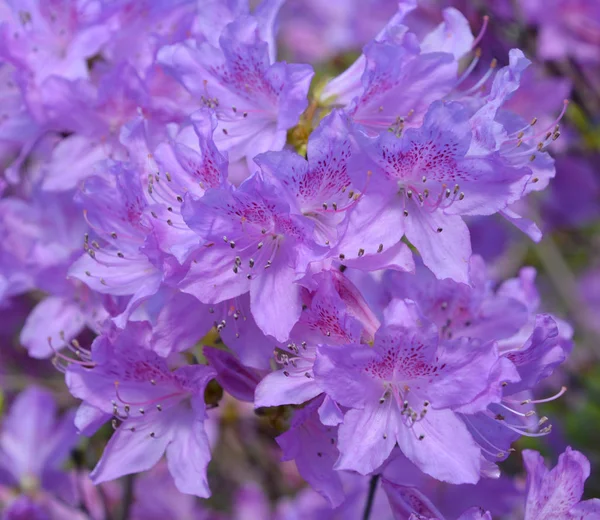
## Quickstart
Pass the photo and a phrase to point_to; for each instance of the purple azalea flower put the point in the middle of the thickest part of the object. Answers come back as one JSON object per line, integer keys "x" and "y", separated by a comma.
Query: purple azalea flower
{"x": 405, "y": 390}
{"x": 256, "y": 100}
{"x": 116, "y": 263}
{"x": 251, "y": 243}
{"x": 397, "y": 78}
{"x": 556, "y": 493}
{"x": 530, "y": 345}
{"x": 330, "y": 316}
{"x": 318, "y": 188}
{"x": 429, "y": 177}
{"x": 159, "y": 410}
{"x": 181, "y": 321}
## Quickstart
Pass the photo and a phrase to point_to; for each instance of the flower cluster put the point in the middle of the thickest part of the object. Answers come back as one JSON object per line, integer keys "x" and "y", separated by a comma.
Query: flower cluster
{"x": 202, "y": 223}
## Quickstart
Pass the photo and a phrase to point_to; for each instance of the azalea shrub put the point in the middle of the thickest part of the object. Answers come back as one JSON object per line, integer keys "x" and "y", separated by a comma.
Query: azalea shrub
{"x": 299, "y": 259}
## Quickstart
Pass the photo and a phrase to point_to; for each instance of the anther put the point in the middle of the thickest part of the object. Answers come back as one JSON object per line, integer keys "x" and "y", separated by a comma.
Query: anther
{"x": 439, "y": 230}
{"x": 380, "y": 248}
{"x": 159, "y": 407}
{"x": 405, "y": 213}
{"x": 113, "y": 235}
{"x": 361, "y": 252}
{"x": 324, "y": 205}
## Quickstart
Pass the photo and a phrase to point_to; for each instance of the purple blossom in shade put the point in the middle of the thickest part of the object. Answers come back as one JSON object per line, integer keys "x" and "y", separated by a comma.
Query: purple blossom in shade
{"x": 158, "y": 410}
{"x": 327, "y": 318}
{"x": 429, "y": 177}
{"x": 141, "y": 27}
{"x": 17, "y": 127}
{"x": 252, "y": 243}
{"x": 409, "y": 503}
{"x": 45, "y": 38}
{"x": 256, "y": 100}
{"x": 40, "y": 235}
{"x": 315, "y": 32}
{"x": 251, "y": 502}
{"x": 572, "y": 198}
{"x": 309, "y": 504}
{"x": 312, "y": 445}
{"x": 556, "y": 493}
{"x": 402, "y": 481}
{"x": 234, "y": 377}
{"x": 567, "y": 27}
{"x": 34, "y": 444}
{"x": 156, "y": 498}
{"x": 405, "y": 390}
